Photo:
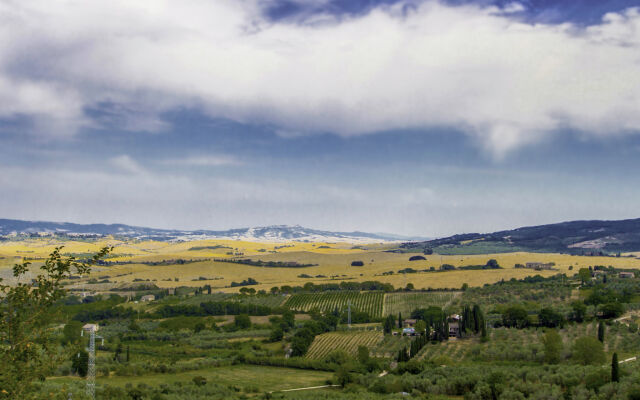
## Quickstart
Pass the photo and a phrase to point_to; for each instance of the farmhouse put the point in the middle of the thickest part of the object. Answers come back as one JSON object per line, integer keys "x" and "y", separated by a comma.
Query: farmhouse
{"x": 90, "y": 327}
{"x": 148, "y": 297}
{"x": 625, "y": 275}
{"x": 538, "y": 266}
{"x": 409, "y": 323}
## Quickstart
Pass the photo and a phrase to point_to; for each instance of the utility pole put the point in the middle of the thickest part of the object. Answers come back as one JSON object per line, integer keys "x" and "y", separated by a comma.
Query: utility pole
{"x": 91, "y": 369}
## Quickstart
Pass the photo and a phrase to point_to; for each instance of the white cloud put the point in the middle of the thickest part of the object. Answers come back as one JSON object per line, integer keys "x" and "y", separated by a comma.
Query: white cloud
{"x": 124, "y": 163}
{"x": 504, "y": 82}
{"x": 210, "y": 160}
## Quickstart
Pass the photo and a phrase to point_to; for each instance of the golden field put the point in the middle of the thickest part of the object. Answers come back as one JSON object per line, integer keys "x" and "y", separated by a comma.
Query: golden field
{"x": 332, "y": 259}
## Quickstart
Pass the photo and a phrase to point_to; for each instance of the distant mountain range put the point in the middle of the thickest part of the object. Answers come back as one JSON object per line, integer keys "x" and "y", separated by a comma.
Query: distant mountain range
{"x": 275, "y": 233}
{"x": 575, "y": 237}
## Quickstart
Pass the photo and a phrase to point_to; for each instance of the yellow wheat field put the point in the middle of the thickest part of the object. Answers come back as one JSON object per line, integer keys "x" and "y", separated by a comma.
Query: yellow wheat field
{"x": 333, "y": 263}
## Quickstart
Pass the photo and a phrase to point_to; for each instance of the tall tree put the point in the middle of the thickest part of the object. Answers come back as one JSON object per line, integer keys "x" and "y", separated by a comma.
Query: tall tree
{"x": 28, "y": 351}
{"x": 615, "y": 372}
{"x": 389, "y": 324}
{"x": 601, "y": 330}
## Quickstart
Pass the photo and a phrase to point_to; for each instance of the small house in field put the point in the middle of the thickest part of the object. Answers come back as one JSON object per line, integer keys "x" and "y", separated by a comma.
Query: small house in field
{"x": 626, "y": 275}
{"x": 171, "y": 291}
{"x": 409, "y": 323}
{"x": 90, "y": 328}
{"x": 148, "y": 297}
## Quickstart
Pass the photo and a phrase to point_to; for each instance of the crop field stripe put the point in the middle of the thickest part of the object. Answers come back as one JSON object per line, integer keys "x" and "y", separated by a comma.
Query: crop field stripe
{"x": 370, "y": 302}
{"x": 347, "y": 341}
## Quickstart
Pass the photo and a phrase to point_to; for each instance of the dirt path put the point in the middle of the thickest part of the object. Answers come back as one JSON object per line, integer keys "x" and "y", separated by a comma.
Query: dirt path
{"x": 307, "y": 388}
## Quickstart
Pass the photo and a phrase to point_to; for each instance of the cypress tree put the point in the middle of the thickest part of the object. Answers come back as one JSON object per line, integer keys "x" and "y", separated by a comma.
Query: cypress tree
{"x": 615, "y": 372}
{"x": 400, "y": 320}
{"x": 127, "y": 353}
{"x": 483, "y": 332}
{"x": 601, "y": 332}
{"x": 478, "y": 318}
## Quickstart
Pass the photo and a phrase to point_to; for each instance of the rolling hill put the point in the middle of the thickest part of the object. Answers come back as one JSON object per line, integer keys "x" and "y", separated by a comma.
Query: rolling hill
{"x": 575, "y": 237}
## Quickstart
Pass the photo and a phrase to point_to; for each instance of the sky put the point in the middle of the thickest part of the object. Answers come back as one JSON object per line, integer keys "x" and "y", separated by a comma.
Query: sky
{"x": 419, "y": 118}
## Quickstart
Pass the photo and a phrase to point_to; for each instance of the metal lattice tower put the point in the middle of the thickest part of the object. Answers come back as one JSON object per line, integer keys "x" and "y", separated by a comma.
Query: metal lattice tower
{"x": 91, "y": 367}
{"x": 91, "y": 370}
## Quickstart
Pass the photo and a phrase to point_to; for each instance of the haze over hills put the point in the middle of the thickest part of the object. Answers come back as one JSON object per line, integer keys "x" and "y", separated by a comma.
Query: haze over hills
{"x": 575, "y": 237}
{"x": 274, "y": 233}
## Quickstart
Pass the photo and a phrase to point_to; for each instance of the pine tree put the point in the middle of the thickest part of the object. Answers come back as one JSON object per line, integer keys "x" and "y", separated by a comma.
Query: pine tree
{"x": 601, "y": 332}
{"x": 615, "y": 373}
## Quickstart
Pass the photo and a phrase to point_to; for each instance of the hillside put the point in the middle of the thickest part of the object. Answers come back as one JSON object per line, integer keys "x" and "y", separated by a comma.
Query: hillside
{"x": 575, "y": 237}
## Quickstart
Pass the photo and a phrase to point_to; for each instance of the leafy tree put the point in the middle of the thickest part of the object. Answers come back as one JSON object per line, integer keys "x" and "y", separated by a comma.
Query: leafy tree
{"x": 276, "y": 334}
{"x": 552, "y": 346}
{"x": 585, "y": 275}
{"x": 28, "y": 350}
{"x": 579, "y": 311}
{"x": 242, "y": 321}
{"x": 515, "y": 317}
{"x": 71, "y": 332}
{"x": 289, "y": 318}
{"x": 80, "y": 363}
{"x": 363, "y": 354}
{"x": 464, "y": 287}
{"x": 612, "y": 309}
{"x": 588, "y": 350}
{"x": 615, "y": 372}
{"x": 550, "y": 318}
{"x": 199, "y": 327}
{"x": 343, "y": 377}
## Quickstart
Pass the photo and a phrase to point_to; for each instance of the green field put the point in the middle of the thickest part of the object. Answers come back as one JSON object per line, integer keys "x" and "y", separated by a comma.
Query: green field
{"x": 369, "y": 302}
{"x": 248, "y": 378}
{"x": 405, "y": 303}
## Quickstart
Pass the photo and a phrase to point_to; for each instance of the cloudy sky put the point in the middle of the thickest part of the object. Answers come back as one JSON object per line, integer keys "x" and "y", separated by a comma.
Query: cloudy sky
{"x": 411, "y": 117}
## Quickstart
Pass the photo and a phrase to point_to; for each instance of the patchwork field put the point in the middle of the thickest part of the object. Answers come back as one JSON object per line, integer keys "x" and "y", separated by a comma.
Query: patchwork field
{"x": 202, "y": 262}
{"x": 348, "y": 341}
